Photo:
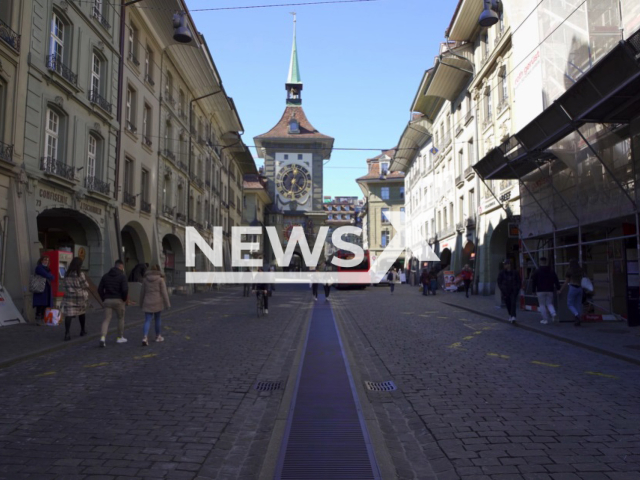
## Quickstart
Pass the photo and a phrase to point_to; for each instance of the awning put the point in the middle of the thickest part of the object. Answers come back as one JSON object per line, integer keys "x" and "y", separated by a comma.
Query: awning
{"x": 445, "y": 81}
{"x": 415, "y": 135}
{"x": 465, "y": 20}
{"x": 608, "y": 93}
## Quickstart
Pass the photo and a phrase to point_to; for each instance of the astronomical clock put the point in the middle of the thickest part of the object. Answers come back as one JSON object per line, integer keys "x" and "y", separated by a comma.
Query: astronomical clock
{"x": 293, "y": 181}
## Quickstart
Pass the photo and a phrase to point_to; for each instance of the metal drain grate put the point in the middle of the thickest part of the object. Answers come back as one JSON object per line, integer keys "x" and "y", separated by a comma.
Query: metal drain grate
{"x": 381, "y": 386}
{"x": 268, "y": 386}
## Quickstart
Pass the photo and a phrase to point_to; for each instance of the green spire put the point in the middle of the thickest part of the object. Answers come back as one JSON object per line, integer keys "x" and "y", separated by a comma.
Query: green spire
{"x": 294, "y": 69}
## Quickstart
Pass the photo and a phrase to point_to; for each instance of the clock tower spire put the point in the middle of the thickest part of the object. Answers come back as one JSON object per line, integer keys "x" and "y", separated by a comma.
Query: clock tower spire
{"x": 294, "y": 82}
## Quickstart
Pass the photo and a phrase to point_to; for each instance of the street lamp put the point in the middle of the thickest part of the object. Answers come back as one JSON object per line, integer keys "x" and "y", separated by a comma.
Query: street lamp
{"x": 490, "y": 16}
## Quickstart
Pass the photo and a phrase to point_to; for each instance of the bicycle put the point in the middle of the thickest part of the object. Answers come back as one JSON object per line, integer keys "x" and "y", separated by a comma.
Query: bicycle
{"x": 260, "y": 303}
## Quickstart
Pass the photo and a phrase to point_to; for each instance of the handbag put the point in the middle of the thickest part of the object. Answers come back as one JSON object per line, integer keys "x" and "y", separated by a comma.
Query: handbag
{"x": 586, "y": 284}
{"x": 52, "y": 317}
{"x": 37, "y": 283}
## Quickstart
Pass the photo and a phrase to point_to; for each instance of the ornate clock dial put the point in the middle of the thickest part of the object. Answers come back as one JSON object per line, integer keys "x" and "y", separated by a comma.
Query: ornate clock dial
{"x": 293, "y": 181}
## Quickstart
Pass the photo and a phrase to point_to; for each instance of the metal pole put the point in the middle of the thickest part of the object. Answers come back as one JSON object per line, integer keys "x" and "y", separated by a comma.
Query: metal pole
{"x": 116, "y": 215}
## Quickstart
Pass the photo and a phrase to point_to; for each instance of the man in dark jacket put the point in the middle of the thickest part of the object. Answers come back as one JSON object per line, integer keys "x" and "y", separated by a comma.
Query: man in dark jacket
{"x": 544, "y": 282}
{"x": 425, "y": 281}
{"x": 113, "y": 291}
{"x": 510, "y": 284}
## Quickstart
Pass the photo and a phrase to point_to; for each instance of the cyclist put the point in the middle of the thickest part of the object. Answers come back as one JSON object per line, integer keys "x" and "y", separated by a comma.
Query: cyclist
{"x": 262, "y": 288}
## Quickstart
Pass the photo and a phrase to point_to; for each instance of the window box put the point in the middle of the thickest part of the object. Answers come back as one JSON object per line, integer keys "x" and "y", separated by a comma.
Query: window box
{"x": 149, "y": 80}
{"x": 169, "y": 154}
{"x": 55, "y": 64}
{"x": 97, "y": 99}
{"x": 168, "y": 211}
{"x": 131, "y": 128}
{"x": 55, "y": 167}
{"x": 132, "y": 58}
{"x": 96, "y": 185}
{"x": 97, "y": 14}
{"x": 10, "y": 37}
{"x": 6, "y": 152}
{"x": 459, "y": 181}
{"x": 129, "y": 199}
{"x": 146, "y": 141}
{"x": 145, "y": 207}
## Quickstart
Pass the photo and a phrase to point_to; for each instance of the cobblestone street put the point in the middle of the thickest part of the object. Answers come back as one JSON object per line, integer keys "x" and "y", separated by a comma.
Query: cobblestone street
{"x": 481, "y": 399}
{"x": 476, "y": 398}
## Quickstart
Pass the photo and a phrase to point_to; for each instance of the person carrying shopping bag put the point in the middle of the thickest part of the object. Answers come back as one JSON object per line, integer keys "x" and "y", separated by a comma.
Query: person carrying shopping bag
{"x": 42, "y": 292}
{"x": 76, "y": 297}
{"x": 154, "y": 298}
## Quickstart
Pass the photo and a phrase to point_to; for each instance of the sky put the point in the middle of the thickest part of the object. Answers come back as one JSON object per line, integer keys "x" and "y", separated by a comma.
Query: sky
{"x": 361, "y": 65}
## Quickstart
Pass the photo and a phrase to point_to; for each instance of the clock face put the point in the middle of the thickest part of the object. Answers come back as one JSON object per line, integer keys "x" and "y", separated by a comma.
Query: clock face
{"x": 293, "y": 181}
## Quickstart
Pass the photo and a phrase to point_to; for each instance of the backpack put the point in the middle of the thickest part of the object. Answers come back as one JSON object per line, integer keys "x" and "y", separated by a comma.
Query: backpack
{"x": 390, "y": 277}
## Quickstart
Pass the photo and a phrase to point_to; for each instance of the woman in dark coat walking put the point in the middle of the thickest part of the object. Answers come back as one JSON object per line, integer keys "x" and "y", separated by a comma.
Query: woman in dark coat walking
{"x": 44, "y": 299}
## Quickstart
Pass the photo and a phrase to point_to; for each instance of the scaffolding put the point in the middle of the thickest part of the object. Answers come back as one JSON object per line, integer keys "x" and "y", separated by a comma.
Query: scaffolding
{"x": 576, "y": 164}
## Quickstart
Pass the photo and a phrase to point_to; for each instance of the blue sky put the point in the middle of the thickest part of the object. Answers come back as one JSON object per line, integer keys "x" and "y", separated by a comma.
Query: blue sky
{"x": 361, "y": 64}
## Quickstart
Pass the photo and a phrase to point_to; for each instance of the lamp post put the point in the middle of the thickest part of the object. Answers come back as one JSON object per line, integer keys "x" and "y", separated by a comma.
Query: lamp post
{"x": 181, "y": 34}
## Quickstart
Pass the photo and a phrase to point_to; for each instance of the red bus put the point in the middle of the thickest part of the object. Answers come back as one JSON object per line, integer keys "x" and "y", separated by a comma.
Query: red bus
{"x": 363, "y": 268}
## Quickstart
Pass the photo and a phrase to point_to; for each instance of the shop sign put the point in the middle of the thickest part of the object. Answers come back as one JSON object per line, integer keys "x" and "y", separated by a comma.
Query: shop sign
{"x": 51, "y": 196}
{"x": 526, "y": 69}
{"x": 87, "y": 207}
{"x": 514, "y": 231}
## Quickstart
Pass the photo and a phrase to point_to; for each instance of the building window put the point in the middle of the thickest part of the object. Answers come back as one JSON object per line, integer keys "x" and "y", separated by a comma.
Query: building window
{"x": 56, "y": 46}
{"x": 472, "y": 203}
{"x": 181, "y": 199}
{"x": 384, "y": 193}
{"x": 471, "y": 152}
{"x": 148, "y": 66}
{"x": 488, "y": 105}
{"x": 485, "y": 41}
{"x": 286, "y": 157}
{"x": 166, "y": 192}
{"x": 133, "y": 43}
{"x": 384, "y": 239}
{"x": 445, "y": 218}
{"x": 144, "y": 185}
{"x": 461, "y": 208}
{"x": 181, "y": 106}
{"x": 504, "y": 92}
{"x": 3, "y": 90}
{"x": 146, "y": 125}
{"x": 168, "y": 88}
{"x": 402, "y": 214}
{"x": 451, "y": 213}
{"x": 384, "y": 215}
{"x": 128, "y": 178}
{"x": 52, "y": 133}
{"x": 168, "y": 138}
{"x": 384, "y": 168}
{"x": 401, "y": 193}
{"x": 460, "y": 161}
{"x": 95, "y": 74}
{"x": 130, "y": 110}
{"x": 330, "y": 217}
{"x": 92, "y": 156}
{"x": 299, "y": 156}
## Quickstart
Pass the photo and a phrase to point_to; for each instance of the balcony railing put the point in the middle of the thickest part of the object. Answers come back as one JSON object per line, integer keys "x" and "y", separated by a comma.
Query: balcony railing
{"x": 129, "y": 199}
{"x": 469, "y": 173}
{"x": 145, "y": 206}
{"x": 168, "y": 211}
{"x": 133, "y": 59}
{"x": 95, "y": 97}
{"x": 169, "y": 154}
{"x": 199, "y": 183}
{"x": 96, "y": 185}
{"x": 6, "y": 152}
{"x": 9, "y": 36}
{"x": 183, "y": 166}
{"x": 149, "y": 80}
{"x": 54, "y": 63}
{"x": 181, "y": 217}
{"x": 131, "y": 127}
{"x": 97, "y": 14}
{"x": 56, "y": 167}
{"x": 147, "y": 141}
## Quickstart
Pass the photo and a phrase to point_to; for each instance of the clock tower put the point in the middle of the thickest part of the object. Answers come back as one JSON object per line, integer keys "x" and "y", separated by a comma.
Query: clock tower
{"x": 294, "y": 153}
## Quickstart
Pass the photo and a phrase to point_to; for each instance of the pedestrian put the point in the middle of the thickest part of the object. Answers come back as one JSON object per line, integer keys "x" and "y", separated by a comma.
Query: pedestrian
{"x": 573, "y": 278}
{"x": 467, "y": 276}
{"x": 425, "y": 281}
{"x": 544, "y": 283}
{"x": 154, "y": 298}
{"x": 137, "y": 274}
{"x": 327, "y": 287}
{"x": 262, "y": 288}
{"x": 76, "y": 297}
{"x": 510, "y": 284}
{"x": 44, "y": 299}
{"x": 433, "y": 282}
{"x": 114, "y": 290}
{"x": 246, "y": 287}
{"x": 392, "y": 277}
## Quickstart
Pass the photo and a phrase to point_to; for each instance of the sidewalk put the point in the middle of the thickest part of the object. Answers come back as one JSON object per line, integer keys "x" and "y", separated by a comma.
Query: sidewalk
{"x": 27, "y": 340}
{"x": 614, "y": 339}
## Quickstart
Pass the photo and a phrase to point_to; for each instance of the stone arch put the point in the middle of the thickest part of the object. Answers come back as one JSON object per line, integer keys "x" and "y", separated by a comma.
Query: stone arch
{"x": 67, "y": 229}
{"x": 136, "y": 246}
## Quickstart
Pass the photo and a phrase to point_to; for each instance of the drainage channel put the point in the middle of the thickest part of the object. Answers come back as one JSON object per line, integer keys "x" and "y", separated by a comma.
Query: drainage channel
{"x": 325, "y": 436}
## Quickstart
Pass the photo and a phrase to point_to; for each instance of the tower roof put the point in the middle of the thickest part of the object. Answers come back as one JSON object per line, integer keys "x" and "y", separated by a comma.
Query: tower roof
{"x": 306, "y": 130}
{"x": 294, "y": 68}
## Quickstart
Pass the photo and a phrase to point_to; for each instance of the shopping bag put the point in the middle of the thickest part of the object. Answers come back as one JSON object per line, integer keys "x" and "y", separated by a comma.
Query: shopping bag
{"x": 586, "y": 284}
{"x": 52, "y": 317}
